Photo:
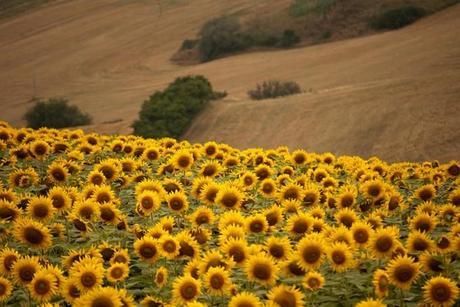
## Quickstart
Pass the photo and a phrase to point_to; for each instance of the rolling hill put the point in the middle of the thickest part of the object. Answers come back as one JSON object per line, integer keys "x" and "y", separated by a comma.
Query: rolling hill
{"x": 395, "y": 95}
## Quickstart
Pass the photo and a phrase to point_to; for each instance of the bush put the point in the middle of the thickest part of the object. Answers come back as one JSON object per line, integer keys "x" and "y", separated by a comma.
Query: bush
{"x": 189, "y": 44}
{"x": 273, "y": 89}
{"x": 303, "y": 7}
{"x": 55, "y": 113}
{"x": 168, "y": 113}
{"x": 220, "y": 36}
{"x": 397, "y": 17}
{"x": 289, "y": 38}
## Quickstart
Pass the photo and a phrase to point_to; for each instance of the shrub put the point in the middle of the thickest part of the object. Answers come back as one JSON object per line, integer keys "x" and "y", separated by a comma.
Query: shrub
{"x": 273, "y": 89}
{"x": 168, "y": 113}
{"x": 220, "y": 36}
{"x": 303, "y": 7}
{"x": 189, "y": 44}
{"x": 55, "y": 113}
{"x": 289, "y": 38}
{"x": 397, "y": 17}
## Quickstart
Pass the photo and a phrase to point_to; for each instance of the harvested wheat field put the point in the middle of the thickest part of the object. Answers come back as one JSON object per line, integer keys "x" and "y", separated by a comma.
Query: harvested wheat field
{"x": 394, "y": 94}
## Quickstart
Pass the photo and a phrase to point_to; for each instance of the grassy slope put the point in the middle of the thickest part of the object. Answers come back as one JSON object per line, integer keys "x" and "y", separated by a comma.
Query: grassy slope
{"x": 369, "y": 95}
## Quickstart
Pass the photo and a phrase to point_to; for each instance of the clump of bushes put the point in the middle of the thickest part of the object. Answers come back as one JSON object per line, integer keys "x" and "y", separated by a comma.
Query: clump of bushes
{"x": 55, "y": 113}
{"x": 273, "y": 89}
{"x": 168, "y": 113}
{"x": 220, "y": 36}
{"x": 396, "y": 18}
{"x": 223, "y": 35}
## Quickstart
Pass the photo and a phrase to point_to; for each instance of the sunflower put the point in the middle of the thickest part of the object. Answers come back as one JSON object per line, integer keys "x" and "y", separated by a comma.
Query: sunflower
{"x": 423, "y": 222}
{"x": 23, "y": 178}
{"x": 210, "y": 149}
{"x": 40, "y": 149}
{"x": 381, "y": 283}
{"x": 340, "y": 257}
{"x": 248, "y": 180}
{"x": 87, "y": 273}
{"x": 267, "y": 188}
{"x": 245, "y": 299}
{"x": 60, "y": 199}
{"x": 69, "y": 290}
{"x": 313, "y": 281}
{"x": 57, "y": 173}
{"x": 147, "y": 249}
{"x": 261, "y": 269}
{"x": 432, "y": 262}
{"x": 214, "y": 259}
{"x": 217, "y": 281}
{"x": 373, "y": 189}
{"x": 341, "y": 234}
{"x": 201, "y": 235}
{"x": 425, "y": 193}
{"x": 310, "y": 251}
{"x": 299, "y": 157}
{"x": 256, "y": 223}
{"x": 8, "y": 210}
{"x": 100, "y": 296}
{"x": 32, "y": 233}
{"x": 150, "y": 185}
{"x": 182, "y": 160}
{"x": 5, "y": 289}
{"x": 419, "y": 242}
{"x": 88, "y": 210}
{"x": 110, "y": 168}
{"x": 454, "y": 197}
{"x": 311, "y": 195}
{"x": 40, "y": 208}
{"x": 402, "y": 271}
{"x": 109, "y": 213}
{"x": 384, "y": 241}
{"x": 167, "y": 223}
{"x": 8, "y": 257}
{"x": 440, "y": 291}
{"x": 96, "y": 177}
{"x": 177, "y": 201}
{"x": 151, "y": 154}
{"x": 185, "y": 289}
{"x": 168, "y": 246}
{"x": 198, "y": 185}
{"x": 120, "y": 256}
{"x": 284, "y": 296}
{"x": 229, "y": 197}
{"x": 371, "y": 303}
{"x": 346, "y": 216}
{"x": 24, "y": 269}
{"x": 291, "y": 191}
{"x": 161, "y": 277}
{"x": 147, "y": 202}
{"x": 299, "y": 224}
{"x": 273, "y": 215}
{"x": 43, "y": 286}
{"x": 202, "y": 216}
{"x": 361, "y": 232}
{"x": 263, "y": 172}
{"x": 319, "y": 174}
{"x": 278, "y": 247}
{"x": 117, "y": 272}
{"x": 236, "y": 249}
{"x": 103, "y": 194}
{"x": 210, "y": 169}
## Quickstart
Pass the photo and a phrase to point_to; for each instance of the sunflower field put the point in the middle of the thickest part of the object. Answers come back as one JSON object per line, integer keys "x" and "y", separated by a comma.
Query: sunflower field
{"x": 111, "y": 221}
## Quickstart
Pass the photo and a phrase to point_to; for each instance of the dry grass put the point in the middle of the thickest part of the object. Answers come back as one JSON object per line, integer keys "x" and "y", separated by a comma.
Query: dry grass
{"x": 394, "y": 94}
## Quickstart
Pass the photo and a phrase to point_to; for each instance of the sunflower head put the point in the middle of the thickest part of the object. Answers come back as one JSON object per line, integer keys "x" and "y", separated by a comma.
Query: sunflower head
{"x": 440, "y": 291}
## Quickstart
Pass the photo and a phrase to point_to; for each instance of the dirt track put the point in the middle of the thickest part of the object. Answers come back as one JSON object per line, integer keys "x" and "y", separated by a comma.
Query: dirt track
{"x": 395, "y": 95}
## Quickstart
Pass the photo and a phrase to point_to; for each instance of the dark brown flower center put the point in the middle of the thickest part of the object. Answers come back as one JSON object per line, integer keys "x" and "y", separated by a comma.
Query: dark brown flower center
{"x": 384, "y": 244}
{"x": 217, "y": 281}
{"x": 311, "y": 254}
{"x": 188, "y": 291}
{"x": 88, "y": 279}
{"x": 441, "y": 293}
{"x": 42, "y": 286}
{"x": 33, "y": 235}
{"x": 286, "y": 299}
{"x": 262, "y": 271}
{"x": 404, "y": 273}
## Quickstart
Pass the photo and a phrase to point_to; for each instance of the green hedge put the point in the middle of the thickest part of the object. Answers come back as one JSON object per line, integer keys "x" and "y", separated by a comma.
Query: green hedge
{"x": 274, "y": 89}
{"x": 396, "y": 18}
{"x": 168, "y": 113}
{"x": 55, "y": 113}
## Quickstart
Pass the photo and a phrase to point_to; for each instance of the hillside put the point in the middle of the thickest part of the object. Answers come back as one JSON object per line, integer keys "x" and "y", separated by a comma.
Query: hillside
{"x": 393, "y": 94}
